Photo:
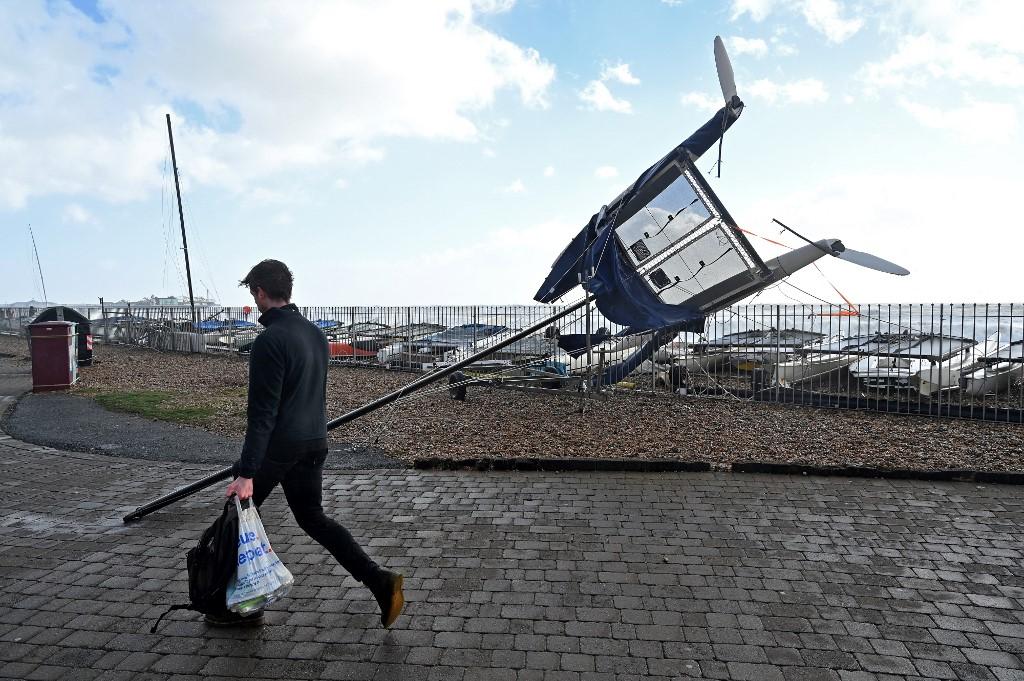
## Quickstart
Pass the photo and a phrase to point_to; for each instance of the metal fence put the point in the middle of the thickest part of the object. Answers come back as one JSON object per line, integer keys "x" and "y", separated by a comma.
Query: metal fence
{"x": 955, "y": 360}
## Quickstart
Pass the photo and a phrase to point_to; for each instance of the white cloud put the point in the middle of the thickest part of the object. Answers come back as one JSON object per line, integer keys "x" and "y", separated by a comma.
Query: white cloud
{"x": 900, "y": 216}
{"x": 621, "y": 73}
{"x": 599, "y": 98}
{"x": 493, "y": 6}
{"x": 824, "y": 16}
{"x": 549, "y": 171}
{"x": 805, "y": 91}
{"x": 975, "y": 122}
{"x": 262, "y": 88}
{"x": 488, "y": 152}
{"x": 517, "y": 187}
{"x": 757, "y": 9}
{"x": 701, "y": 101}
{"x": 606, "y": 172}
{"x": 73, "y": 212}
{"x": 782, "y": 49}
{"x": 341, "y": 183}
{"x": 965, "y": 59}
{"x": 752, "y": 46}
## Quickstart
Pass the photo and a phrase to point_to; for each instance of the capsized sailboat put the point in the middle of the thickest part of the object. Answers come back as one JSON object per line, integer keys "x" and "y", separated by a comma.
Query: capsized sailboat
{"x": 662, "y": 256}
{"x": 665, "y": 254}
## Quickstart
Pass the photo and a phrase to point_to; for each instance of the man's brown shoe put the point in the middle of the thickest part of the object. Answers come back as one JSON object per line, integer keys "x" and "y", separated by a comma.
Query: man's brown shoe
{"x": 387, "y": 589}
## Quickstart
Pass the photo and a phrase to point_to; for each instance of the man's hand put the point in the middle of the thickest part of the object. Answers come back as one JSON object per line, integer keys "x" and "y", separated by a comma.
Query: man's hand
{"x": 242, "y": 487}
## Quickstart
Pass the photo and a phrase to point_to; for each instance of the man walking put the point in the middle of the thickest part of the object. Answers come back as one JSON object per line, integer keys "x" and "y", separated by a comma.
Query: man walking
{"x": 286, "y": 434}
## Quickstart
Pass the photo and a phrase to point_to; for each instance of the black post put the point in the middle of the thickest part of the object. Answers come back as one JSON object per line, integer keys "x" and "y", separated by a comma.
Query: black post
{"x": 181, "y": 218}
{"x": 167, "y": 499}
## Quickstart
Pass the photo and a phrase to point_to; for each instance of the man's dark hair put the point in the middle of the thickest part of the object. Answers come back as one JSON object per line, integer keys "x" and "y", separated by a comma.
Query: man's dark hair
{"x": 273, "y": 276}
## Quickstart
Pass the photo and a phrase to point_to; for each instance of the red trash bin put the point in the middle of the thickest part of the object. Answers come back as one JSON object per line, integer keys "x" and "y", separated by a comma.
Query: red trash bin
{"x": 54, "y": 355}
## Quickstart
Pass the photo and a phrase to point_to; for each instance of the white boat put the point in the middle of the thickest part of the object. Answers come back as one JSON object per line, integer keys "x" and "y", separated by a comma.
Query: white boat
{"x": 999, "y": 370}
{"x": 747, "y": 350}
{"x": 523, "y": 351}
{"x": 946, "y": 374}
{"x": 687, "y": 354}
{"x": 892, "y": 368}
{"x": 612, "y": 351}
{"x": 818, "y": 360}
{"x": 433, "y": 350}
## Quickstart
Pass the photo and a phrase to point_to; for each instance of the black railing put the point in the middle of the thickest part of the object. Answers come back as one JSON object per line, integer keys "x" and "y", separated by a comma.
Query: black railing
{"x": 942, "y": 359}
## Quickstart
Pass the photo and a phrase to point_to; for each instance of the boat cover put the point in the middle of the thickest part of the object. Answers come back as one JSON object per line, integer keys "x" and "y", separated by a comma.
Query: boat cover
{"x": 218, "y": 324}
{"x": 460, "y": 335}
{"x": 660, "y": 245}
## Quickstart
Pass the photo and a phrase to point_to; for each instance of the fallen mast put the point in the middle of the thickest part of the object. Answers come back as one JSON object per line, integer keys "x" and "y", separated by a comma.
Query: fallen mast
{"x": 191, "y": 489}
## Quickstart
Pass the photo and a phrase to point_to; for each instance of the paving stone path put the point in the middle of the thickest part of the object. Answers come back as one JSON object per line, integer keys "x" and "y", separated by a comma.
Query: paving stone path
{"x": 526, "y": 576}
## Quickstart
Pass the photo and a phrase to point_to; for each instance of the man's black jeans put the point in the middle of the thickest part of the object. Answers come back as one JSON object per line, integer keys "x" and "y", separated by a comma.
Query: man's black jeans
{"x": 301, "y": 478}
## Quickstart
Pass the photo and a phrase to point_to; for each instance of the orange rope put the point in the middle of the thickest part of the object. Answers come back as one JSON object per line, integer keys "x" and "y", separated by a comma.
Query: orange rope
{"x": 747, "y": 231}
{"x": 853, "y": 310}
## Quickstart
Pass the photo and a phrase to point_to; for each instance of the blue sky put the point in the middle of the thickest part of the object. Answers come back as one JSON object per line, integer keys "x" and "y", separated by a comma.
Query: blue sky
{"x": 444, "y": 152}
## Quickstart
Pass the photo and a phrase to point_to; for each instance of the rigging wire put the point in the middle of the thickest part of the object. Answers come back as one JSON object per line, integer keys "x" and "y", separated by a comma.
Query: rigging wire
{"x": 174, "y": 253}
{"x": 202, "y": 248}
{"x": 167, "y": 219}
{"x": 39, "y": 265}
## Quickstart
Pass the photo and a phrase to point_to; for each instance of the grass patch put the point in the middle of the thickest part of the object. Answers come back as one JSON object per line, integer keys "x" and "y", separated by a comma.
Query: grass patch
{"x": 154, "y": 404}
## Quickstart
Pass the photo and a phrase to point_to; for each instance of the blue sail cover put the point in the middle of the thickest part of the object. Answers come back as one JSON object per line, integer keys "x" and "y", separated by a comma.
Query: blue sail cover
{"x": 660, "y": 245}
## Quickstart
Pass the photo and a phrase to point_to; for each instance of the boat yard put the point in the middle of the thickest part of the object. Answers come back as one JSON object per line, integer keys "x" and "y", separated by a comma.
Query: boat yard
{"x": 510, "y": 424}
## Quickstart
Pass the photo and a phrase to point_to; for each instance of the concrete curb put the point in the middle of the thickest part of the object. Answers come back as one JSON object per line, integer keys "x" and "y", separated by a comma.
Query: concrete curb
{"x": 958, "y": 475}
{"x": 567, "y": 465}
{"x": 672, "y": 465}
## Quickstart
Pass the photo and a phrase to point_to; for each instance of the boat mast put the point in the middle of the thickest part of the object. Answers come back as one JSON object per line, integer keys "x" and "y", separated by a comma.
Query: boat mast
{"x": 181, "y": 218}
{"x": 429, "y": 378}
{"x": 39, "y": 265}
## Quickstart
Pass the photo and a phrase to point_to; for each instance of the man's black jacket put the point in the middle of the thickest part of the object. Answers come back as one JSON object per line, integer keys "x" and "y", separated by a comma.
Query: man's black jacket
{"x": 287, "y": 412}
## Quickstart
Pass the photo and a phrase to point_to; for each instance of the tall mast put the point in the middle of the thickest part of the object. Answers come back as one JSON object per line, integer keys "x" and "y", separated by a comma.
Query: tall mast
{"x": 181, "y": 218}
{"x": 39, "y": 265}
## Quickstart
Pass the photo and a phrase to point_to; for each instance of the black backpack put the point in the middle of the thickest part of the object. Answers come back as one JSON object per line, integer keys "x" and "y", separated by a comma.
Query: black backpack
{"x": 211, "y": 563}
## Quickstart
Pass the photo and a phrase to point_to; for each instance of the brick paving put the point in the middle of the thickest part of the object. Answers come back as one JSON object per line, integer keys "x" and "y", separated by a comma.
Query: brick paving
{"x": 526, "y": 576}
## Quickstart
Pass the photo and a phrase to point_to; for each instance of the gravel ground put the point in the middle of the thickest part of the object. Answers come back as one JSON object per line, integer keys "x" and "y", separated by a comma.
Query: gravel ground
{"x": 502, "y": 423}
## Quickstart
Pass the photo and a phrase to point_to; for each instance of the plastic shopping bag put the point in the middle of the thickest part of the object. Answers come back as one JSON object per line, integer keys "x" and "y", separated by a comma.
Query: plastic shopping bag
{"x": 260, "y": 578}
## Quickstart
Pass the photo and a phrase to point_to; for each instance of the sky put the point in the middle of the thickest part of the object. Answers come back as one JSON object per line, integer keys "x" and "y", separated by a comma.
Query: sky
{"x": 439, "y": 152}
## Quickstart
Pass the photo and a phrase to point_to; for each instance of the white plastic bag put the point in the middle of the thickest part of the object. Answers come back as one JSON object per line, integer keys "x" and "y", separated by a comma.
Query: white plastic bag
{"x": 261, "y": 578}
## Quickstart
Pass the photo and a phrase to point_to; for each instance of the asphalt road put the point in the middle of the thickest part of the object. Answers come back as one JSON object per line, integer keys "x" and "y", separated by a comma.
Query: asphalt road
{"x": 79, "y": 424}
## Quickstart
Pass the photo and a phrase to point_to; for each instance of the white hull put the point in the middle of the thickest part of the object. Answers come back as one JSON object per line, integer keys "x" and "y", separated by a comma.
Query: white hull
{"x": 684, "y": 355}
{"x": 810, "y": 367}
{"x": 935, "y": 379}
{"x": 991, "y": 380}
{"x": 946, "y": 375}
{"x": 886, "y": 372}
